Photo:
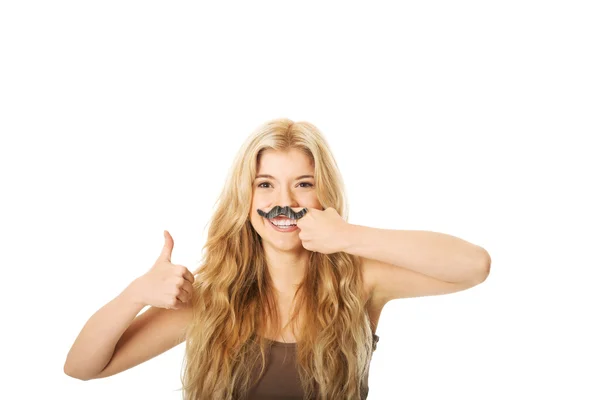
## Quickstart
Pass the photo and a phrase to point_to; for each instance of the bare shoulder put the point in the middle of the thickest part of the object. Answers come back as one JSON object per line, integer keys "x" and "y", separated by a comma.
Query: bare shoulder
{"x": 151, "y": 333}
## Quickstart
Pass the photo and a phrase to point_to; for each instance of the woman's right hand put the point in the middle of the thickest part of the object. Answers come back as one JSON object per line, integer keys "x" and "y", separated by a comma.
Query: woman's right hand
{"x": 165, "y": 285}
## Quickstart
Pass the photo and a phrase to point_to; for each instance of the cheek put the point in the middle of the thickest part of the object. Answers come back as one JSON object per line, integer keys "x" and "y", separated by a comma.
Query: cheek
{"x": 256, "y": 220}
{"x": 254, "y": 217}
{"x": 261, "y": 202}
{"x": 258, "y": 226}
{"x": 314, "y": 202}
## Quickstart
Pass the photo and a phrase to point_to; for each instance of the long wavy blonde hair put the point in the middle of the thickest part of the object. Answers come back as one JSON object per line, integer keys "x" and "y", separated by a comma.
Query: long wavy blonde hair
{"x": 234, "y": 300}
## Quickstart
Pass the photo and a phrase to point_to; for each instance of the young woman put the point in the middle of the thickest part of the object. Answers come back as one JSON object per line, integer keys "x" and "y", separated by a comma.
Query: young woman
{"x": 288, "y": 296}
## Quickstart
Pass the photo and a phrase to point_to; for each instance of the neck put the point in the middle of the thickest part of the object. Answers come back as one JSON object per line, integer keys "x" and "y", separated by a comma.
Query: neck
{"x": 286, "y": 269}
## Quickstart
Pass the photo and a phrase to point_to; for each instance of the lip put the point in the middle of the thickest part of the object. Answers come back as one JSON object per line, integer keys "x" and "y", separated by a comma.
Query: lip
{"x": 285, "y": 230}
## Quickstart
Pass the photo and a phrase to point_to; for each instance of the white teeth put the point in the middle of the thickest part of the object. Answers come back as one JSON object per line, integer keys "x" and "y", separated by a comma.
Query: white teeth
{"x": 284, "y": 223}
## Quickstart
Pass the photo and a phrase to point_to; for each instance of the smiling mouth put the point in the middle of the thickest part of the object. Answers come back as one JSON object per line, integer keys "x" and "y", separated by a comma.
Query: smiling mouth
{"x": 282, "y": 222}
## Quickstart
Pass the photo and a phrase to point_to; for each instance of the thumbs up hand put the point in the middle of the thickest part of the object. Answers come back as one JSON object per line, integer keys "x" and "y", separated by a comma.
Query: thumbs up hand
{"x": 165, "y": 285}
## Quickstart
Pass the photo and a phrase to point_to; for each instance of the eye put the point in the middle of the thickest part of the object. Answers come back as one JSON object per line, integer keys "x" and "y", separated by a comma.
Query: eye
{"x": 260, "y": 185}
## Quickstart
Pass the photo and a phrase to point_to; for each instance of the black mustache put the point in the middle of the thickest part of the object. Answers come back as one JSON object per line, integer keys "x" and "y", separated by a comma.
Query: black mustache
{"x": 287, "y": 211}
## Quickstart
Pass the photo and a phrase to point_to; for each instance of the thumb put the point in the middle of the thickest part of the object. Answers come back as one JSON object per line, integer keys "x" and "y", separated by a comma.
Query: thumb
{"x": 167, "y": 249}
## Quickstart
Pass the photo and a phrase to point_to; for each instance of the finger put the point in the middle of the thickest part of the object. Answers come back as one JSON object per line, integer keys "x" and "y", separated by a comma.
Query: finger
{"x": 187, "y": 287}
{"x": 185, "y": 294}
{"x": 182, "y": 297}
{"x": 187, "y": 275}
{"x": 178, "y": 304}
{"x": 167, "y": 249}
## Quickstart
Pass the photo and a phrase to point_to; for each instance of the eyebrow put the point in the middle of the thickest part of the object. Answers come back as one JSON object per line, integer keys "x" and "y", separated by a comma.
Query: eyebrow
{"x": 272, "y": 177}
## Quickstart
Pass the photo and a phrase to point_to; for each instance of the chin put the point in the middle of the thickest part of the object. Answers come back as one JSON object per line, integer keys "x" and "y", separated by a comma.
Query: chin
{"x": 287, "y": 245}
{"x": 284, "y": 245}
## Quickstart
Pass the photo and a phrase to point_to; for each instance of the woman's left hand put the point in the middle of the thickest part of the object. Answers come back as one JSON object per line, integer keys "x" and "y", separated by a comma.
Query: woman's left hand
{"x": 323, "y": 231}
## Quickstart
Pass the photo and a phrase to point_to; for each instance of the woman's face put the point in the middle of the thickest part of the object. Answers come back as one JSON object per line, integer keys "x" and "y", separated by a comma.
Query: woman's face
{"x": 284, "y": 178}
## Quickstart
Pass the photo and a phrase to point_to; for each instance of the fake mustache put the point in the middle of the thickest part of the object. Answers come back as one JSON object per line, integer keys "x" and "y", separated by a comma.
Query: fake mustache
{"x": 287, "y": 211}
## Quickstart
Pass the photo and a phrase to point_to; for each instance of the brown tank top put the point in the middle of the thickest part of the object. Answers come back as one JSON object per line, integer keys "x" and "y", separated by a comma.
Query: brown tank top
{"x": 281, "y": 380}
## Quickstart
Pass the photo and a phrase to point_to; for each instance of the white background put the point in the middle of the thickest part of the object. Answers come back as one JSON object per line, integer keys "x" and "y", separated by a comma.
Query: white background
{"x": 477, "y": 119}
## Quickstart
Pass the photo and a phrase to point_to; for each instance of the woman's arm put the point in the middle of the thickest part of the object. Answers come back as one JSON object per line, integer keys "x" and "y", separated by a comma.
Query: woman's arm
{"x": 96, "y": 342}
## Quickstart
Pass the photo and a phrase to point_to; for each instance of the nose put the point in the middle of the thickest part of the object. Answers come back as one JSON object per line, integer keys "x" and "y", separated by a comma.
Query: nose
{"x": 286, "y": 198}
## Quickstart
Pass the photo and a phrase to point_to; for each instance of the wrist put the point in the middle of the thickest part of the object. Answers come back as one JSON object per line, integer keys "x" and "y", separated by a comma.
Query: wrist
{"x": 132, "y": 294}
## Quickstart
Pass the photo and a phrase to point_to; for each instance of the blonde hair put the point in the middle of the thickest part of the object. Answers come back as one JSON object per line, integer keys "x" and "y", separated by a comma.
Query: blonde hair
{"x": 234, "y": 302}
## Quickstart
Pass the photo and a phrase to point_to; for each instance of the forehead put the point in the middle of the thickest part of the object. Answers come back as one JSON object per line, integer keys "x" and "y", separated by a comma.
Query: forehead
{"x": 292, "y": 161}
